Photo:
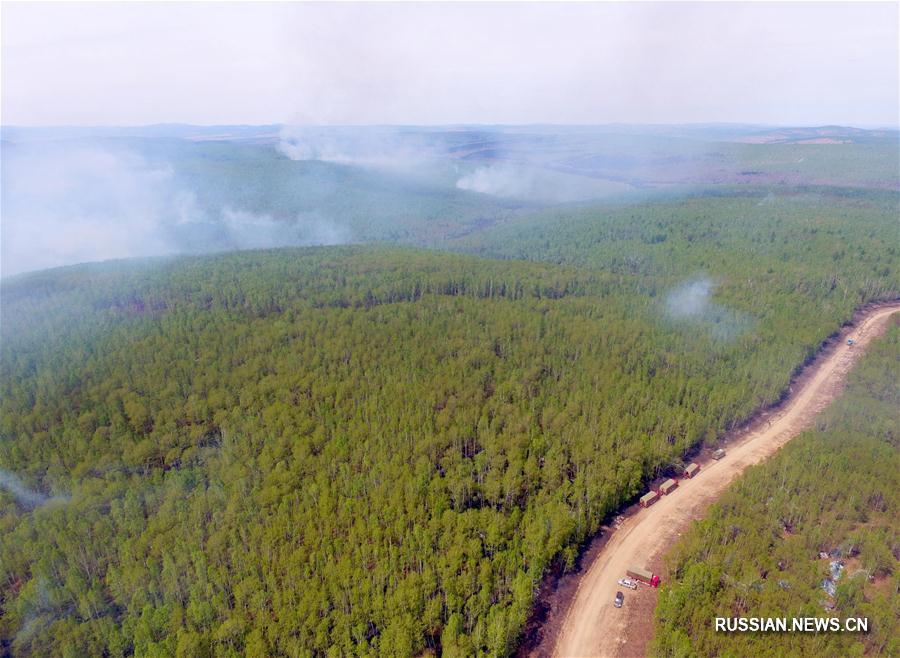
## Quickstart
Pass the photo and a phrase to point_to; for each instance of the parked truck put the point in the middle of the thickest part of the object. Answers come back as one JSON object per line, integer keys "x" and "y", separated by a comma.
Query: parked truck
{"x": 649, "y": 498}
{"x": 691, "y": 470}
{"x": 643, "y": 576}
{"x": 668, "y": 487}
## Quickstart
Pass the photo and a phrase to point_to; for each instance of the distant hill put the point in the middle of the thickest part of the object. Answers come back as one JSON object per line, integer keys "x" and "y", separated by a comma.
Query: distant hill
{"x": 187, "y": 189}
{"x": 820, "y": 135}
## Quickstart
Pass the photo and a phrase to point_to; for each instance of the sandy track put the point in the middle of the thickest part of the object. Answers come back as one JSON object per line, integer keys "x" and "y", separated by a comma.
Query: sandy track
{"x": 592, "y": 626}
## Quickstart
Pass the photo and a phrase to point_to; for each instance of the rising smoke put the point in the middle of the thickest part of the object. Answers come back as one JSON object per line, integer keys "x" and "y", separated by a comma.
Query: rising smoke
{"x": 23, "y": 495}
{"x": 690, "y": 300}
{"x": 74, "y": 201}
{"x": 385, "y": 148}
{"x": 503, "y": 180}
{"x": 533, "y": 183}
{"x": 70, "y": 199}
{"x": 81, "y": 203}
{"x": 511, "y": 172}
{"x": 76, "y": 197}
{"x": 246, "y": 230}
{"x": 691, "y": 305}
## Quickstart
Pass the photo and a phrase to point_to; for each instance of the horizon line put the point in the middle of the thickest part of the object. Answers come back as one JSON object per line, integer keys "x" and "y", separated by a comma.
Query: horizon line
{"x": 535, "y": 124}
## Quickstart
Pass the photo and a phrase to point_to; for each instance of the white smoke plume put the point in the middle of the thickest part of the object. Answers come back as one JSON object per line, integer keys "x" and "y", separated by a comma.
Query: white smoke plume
{"x": 498, "y": 180}
{"x": 531, "y": 183}
{"x": 690, "y": 300}
{"x": 24, "y": 496}
{"x": 80, "y": 203}
{"x": 691, "y": 304}
{"x": 69, "y": 202}
{"x": 261, "y": 231}
{"x": 387, "y": 148}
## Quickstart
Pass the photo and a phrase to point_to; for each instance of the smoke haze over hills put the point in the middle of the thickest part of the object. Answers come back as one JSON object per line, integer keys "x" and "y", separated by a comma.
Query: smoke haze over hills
{"x": 74, "y": 195}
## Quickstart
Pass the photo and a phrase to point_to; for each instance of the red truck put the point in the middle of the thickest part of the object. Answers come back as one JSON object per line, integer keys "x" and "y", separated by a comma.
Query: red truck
{"x": 644, "y": 576}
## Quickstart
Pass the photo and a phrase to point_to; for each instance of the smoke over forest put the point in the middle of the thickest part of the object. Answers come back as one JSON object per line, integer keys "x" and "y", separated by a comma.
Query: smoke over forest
{"x": 88, "y": 200}
{"x": 75, "y": 195}
{"x": 23, "y": 495}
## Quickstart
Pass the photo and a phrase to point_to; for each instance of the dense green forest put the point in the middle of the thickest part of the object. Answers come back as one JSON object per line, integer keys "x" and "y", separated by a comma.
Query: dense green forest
{"x": 777, "y": 236}
{"x": 834, "y": 490}
{"x": 380, "y": 451}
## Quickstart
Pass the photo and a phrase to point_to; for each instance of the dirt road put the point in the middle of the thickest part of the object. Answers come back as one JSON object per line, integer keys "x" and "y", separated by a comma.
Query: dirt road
{"x": 592, "y": 626}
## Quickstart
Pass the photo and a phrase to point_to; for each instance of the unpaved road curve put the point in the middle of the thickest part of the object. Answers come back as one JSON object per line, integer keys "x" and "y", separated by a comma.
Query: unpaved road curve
{"x": 593, "y": 627}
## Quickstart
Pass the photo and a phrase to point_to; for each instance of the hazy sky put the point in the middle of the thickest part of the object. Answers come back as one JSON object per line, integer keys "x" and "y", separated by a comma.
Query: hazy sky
{"x": 206, "y": 63}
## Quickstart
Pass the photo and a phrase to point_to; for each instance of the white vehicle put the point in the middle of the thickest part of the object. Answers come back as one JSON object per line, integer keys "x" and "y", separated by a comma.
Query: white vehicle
{"x": 626, "y": 582}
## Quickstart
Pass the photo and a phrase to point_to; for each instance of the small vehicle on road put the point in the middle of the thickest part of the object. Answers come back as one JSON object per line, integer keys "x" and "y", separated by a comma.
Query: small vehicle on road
{"x": 618, "y": 600}
{"x": 627, "y": 582}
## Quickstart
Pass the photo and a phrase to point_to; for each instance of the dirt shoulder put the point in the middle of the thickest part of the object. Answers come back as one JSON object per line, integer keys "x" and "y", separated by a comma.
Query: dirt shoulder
{"x": 575, "y": 616}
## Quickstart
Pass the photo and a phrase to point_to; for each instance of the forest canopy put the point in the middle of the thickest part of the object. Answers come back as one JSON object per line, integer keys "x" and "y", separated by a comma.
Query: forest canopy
{"x": 381, "y": 451}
